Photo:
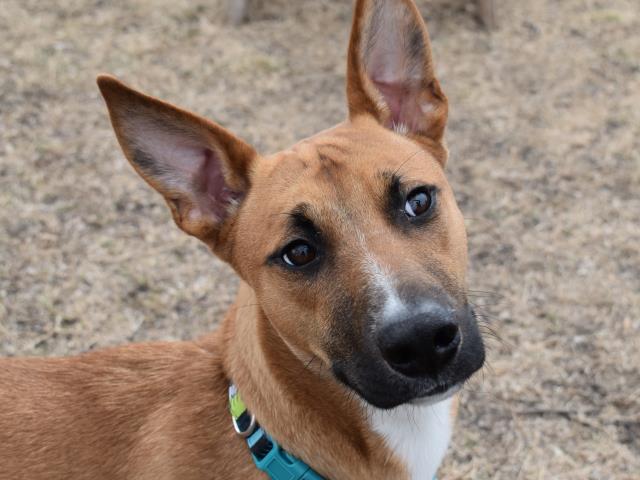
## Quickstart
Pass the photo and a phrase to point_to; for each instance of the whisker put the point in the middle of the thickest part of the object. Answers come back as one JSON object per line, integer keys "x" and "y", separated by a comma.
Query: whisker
{"x": 313, "y": 357}
{"x": 405, "y": 161}
{"x": 485, "y": 303}
{"x": 485, "y": 293}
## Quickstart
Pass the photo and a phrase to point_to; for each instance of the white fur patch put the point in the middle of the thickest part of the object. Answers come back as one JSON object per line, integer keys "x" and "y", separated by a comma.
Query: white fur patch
{"x": 383, "y": 281}
{"x": 418, "y": 434}
{"x": 401, "y": 128}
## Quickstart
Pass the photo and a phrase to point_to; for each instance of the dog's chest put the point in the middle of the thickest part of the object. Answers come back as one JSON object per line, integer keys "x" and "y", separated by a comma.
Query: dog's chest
{"x": 418, "y": 435}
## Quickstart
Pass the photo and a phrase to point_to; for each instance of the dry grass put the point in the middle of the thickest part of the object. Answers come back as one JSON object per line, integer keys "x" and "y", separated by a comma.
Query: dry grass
{"x": 545, "y": 143}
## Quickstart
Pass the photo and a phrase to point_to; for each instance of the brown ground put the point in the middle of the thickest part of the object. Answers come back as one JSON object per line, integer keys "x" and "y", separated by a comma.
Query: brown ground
{"x": 545, "y": 158}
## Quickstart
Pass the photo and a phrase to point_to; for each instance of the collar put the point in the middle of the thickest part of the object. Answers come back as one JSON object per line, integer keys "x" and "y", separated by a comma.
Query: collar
{"x": 265, "y": 451}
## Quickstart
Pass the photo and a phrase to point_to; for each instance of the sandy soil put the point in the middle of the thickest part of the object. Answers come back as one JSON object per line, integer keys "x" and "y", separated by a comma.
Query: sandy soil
{"x": 545, "y": 159}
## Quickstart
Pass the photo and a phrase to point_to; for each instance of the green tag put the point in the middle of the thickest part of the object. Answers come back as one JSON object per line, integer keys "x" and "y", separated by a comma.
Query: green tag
{"x": 236, "y": 406}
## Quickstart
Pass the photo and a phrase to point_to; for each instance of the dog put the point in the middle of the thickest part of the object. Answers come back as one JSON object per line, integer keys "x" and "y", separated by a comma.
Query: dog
{"x": 351, "y": 333}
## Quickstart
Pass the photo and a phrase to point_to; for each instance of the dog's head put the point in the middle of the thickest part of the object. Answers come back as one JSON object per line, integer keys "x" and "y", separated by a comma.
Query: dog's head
{"x": 352, "y": 239}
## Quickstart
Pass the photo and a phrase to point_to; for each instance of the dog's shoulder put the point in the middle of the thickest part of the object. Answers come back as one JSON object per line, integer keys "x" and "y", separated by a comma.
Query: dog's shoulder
{"x": 160, "y": 403}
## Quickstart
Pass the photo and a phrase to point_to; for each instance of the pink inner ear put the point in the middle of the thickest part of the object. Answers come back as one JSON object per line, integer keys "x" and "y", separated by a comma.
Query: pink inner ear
{"x": 395, "y": 54}
{"x": 184, "y": 166}
{"x": 403, "y": 101}
{"x": 214, "y": 195}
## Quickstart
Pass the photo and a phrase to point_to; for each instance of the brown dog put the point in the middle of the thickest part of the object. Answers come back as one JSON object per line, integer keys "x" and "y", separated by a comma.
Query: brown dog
{"x": 351, "y": 330}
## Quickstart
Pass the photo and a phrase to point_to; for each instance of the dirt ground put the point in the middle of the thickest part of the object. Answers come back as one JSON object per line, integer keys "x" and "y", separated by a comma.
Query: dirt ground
{"x": 545, "y": 161}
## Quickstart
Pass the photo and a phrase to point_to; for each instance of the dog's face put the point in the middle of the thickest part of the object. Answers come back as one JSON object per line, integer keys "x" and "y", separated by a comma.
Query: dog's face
{"x": 360, "y": 261}
{"x": 352, "y": 239}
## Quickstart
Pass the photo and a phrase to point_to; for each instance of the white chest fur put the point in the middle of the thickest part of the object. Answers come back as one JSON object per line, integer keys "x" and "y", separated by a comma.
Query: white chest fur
{"x": 418, "y": 434}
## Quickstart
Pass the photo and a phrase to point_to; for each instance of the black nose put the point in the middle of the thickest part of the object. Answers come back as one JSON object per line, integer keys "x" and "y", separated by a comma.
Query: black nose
{"x": 419, "y": 345}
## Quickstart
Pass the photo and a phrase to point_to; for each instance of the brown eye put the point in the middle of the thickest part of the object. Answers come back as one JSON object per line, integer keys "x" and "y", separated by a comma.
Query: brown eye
{"x": 298, "y": 253}
{"x": 418, "y": 202}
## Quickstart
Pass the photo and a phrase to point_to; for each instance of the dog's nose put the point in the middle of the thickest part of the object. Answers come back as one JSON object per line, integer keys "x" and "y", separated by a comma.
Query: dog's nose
{"x": 421, "y": 344}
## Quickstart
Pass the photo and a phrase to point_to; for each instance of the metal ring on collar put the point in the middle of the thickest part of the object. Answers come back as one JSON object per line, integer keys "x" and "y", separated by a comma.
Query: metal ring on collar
{"x": 250, "y": 429}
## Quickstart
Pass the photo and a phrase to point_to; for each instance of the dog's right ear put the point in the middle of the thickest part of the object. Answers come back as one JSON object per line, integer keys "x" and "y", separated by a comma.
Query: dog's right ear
{"x": 390, "y": 72}
{"x": 201, "y": 169}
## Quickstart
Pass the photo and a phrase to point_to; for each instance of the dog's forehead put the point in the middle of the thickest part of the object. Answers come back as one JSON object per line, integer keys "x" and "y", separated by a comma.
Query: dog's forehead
{"x": 340, "y": 177}
{"x": 347, "y": 158}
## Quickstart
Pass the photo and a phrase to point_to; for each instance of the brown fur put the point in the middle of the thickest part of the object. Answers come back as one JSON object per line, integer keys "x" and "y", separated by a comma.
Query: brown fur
{"x": 159, "y": 411}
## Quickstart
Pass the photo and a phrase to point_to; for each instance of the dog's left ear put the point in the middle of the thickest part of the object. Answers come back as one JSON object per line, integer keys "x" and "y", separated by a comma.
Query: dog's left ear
{"x": 390, "y": 70}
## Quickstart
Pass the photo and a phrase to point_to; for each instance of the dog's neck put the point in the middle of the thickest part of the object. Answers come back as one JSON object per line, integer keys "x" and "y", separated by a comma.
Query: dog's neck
{"x": 308, "y": 412}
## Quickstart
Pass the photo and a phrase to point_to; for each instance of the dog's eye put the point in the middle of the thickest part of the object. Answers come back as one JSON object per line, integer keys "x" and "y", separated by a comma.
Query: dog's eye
{"x": 298, "y": 253}
{"x": 418, "y": 202}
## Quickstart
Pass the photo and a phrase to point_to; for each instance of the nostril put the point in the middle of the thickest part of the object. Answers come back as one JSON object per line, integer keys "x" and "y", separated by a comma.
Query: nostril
{"x": 446, "y": 337}
{"x": 399, "y": 355}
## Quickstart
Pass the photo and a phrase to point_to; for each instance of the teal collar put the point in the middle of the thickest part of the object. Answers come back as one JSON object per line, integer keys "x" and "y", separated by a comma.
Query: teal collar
{"x": 265, "y": 451}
